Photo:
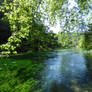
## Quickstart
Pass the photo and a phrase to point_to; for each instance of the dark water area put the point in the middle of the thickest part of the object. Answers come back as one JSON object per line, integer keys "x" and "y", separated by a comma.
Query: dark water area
{"x": 68, "y": 71}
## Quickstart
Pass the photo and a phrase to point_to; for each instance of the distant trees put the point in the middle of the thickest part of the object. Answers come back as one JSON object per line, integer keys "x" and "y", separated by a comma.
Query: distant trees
{"x": 64, "y": 39}
{"x": 69, "y": 40}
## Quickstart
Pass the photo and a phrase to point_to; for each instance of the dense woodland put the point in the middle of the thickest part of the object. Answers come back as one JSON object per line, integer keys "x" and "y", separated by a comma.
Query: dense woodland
{"x": 22, "y": 25}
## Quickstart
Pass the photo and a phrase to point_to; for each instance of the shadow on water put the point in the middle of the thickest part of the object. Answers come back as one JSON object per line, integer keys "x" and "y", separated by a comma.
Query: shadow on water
{"x": 69, "y": 71}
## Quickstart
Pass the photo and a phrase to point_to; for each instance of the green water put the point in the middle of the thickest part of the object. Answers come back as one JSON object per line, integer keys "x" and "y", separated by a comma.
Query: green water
{"x": 57, "y": 71}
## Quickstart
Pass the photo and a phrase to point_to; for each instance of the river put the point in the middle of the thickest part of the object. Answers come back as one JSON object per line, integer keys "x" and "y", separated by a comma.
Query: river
{"x": 68, "y": 71}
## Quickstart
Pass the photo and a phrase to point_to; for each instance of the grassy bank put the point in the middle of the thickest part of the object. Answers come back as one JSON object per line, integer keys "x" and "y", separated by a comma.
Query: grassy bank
{"x": 21, "y": 73}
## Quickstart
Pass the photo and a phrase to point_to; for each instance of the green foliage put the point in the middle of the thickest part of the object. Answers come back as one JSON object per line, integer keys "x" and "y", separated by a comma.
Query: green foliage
{"x": 82, "y": 42}
{"x": 69, "y": 40}
{"x": 85, "y": 41}
{"x": 90, "y": 27}
{"x": 20, "y": 19}
{"x": 64, "y": 39}
{"x": 54, "y": 9}
{"x": 40, "y": 39}
{"x": 27, "y": 28}
{"x": 55, "y": 12}
{"x": 20, "y": 74}
{"x": 83, "y": 3}
{"x": 88, "y": 40}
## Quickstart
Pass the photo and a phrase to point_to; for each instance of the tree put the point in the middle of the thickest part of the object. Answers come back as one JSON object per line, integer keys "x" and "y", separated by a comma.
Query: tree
{"x": 64, "y": 39}
{"x": 55, "y": 7}
{"x": 21, "y": 15}
{"x": 28, "y": 30}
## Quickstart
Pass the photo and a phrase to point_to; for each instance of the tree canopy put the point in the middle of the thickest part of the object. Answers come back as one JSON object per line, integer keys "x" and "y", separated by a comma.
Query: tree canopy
{"x": 26, "y": 19}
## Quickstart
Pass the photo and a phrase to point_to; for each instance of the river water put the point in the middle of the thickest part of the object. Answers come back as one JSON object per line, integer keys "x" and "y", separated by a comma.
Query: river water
{"x": 68, "y": 71}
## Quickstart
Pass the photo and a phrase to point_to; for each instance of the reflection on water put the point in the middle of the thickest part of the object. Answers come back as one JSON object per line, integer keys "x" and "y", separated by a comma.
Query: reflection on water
{"x": 67, "y": 72}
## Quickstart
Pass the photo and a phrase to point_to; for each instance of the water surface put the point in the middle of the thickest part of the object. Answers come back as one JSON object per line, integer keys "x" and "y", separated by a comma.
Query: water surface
{"x": 68, "y": 71}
